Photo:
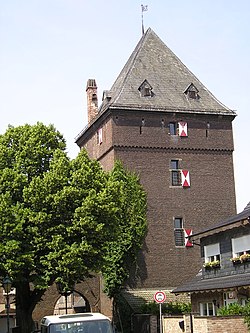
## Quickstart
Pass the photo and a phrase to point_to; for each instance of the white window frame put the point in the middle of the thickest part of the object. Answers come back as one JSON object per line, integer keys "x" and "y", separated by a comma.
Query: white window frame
{"x": 206, "y": 306}
{"x": 179, "y": 230}
{"x": 229, "y": 297}
{"x": 212, "y": 252}
{"x": 175, "y": 173}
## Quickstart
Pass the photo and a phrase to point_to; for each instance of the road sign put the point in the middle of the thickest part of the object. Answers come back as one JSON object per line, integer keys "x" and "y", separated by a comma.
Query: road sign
{"x": 160, "y": 297}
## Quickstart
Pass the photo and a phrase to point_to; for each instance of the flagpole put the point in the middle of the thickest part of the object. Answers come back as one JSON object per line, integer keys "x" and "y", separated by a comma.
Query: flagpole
{"x": 143, "y": 9}
{"x": 142, "y": 26}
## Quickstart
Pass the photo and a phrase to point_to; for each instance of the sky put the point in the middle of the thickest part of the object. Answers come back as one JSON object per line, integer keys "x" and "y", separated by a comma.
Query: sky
{"x": 50, "y": 48}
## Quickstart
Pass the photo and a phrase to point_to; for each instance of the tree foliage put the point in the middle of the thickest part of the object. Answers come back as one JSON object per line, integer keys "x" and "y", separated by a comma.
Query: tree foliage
{"x": 236, "y": 309}
{"x": 172, "y": 308}
{"x": 232, "y": 309}
{"x": 131, "y": 221}
{"x": 62, "y": 219}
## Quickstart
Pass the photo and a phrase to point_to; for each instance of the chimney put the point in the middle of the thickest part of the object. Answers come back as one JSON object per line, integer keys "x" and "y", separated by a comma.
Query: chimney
{"x": 92, "y": 100}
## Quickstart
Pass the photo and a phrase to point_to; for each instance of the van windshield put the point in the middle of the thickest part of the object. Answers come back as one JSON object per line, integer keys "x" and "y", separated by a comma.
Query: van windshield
{"x": 97, "y": 326}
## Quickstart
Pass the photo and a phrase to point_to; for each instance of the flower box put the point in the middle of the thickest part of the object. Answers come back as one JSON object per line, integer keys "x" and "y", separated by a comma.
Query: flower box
{"x": 245, "y": 257}
{"x": 236, "y": 260}
{"x": 212, "y": 264}
{"x": 241, "y": 259}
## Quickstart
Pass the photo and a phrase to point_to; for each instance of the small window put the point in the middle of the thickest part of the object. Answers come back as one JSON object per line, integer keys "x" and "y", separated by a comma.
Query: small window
{"x": 215, "y": 257}
{"x": 172, "y": 128}
{"x": 207, "y": 129}
{"x": 175, "y": 173}
{"x": 192, "y": 92}
{"x": 179, "y": 232}
{"x": 142, "y": 125}
{"x": 99, "y": 136}
{"x": 207, "y": 309}
{"x": 174, "y": 164}
{"x": 146, "y": 89}
{"x": 229, "y": 298}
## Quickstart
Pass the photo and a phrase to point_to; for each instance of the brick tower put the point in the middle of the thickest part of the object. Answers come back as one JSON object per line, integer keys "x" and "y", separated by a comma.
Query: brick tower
{"x": 161, "y": 121}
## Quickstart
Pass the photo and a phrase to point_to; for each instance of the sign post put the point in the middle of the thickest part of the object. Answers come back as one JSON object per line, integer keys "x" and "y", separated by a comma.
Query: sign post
{"x": 160, "y": 298}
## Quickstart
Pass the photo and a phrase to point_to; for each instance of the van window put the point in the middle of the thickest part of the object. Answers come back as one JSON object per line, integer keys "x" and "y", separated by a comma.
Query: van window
{"x": 101, "y": 326}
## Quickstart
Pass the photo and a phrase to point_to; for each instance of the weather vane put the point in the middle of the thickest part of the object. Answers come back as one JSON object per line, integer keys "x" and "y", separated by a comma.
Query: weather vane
{"x": 143, "y": 9}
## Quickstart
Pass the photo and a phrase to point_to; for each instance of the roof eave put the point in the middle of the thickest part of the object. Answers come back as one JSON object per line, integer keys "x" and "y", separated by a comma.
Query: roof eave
{"x": 167, "y": 109}
{"x": 230, "y": 223}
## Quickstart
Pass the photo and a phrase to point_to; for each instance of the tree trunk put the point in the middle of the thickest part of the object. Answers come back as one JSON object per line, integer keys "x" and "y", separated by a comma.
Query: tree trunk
{"x": 26, "y": 300}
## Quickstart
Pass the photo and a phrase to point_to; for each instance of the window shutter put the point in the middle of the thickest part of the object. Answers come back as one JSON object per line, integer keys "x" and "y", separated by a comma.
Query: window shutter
{"x": 182, "y": 128}
{"x": 187, "y": 233}
{"x": 212, "y": 250}
{"x": 241, "y": 244}
{"x": 185, "y": 178}
{"x": 100, "y": 136}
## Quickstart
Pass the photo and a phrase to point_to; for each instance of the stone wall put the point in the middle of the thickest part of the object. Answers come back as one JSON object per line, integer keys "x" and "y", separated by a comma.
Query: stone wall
{"x": 232, "y": 324}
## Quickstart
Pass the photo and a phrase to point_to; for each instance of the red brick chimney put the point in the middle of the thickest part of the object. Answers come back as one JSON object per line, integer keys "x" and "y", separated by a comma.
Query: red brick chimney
{"x": 92, "y": 100}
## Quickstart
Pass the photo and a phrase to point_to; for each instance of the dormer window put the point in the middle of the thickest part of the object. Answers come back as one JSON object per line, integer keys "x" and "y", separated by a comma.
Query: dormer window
{"x": 192, "y": 92}
{"x": 146, "y": 89}
{"x": 106, "y": 96}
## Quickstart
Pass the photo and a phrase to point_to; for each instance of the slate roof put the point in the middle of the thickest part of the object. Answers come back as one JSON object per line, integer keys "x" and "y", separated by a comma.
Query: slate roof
{"x": 169, "y": 78}
{"x": 199, "y": 284}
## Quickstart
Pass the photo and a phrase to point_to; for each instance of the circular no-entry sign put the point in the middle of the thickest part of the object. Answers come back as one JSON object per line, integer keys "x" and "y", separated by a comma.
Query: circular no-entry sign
{"x": 160, "y": 297}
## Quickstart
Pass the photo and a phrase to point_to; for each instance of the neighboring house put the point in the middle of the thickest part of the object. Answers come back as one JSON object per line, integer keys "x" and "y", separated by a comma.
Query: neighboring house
{"x": 225, "y": 276}
{"x": 163, "y": 124}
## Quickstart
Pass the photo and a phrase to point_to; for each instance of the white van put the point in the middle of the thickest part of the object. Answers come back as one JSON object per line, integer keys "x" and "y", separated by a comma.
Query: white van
{"x": 77, "y": 323}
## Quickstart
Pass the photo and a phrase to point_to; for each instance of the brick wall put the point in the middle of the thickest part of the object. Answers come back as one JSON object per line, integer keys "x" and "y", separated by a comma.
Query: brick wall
{"x": 226, "y": 325}
{"x": 162, "y": 263}
{"x": 233, "y": 324}
{"x": 147, "y": 148}
{"x": 90, "y": 290}
{"x": 128, "y": 130}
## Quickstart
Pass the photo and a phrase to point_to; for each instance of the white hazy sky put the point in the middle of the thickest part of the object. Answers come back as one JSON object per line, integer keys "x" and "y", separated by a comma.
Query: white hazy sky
{"x": 49, "y": 48}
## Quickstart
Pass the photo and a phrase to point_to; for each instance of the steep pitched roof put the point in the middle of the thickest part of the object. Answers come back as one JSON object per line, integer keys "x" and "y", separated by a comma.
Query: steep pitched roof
{"x": 153, "y": 62}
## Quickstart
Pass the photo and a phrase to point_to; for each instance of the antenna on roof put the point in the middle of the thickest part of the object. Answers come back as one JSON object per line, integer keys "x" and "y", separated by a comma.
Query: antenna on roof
{"x": 143, "y": 9}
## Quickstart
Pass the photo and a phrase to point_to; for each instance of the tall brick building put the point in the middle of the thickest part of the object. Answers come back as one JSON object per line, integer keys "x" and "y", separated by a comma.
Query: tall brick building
{"x": 161, "y": 121}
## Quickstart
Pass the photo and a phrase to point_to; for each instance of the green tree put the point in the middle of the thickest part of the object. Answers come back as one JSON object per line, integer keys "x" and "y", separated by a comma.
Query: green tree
{"x": 131, "y": 221}
{"x": 57, "y": 216}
